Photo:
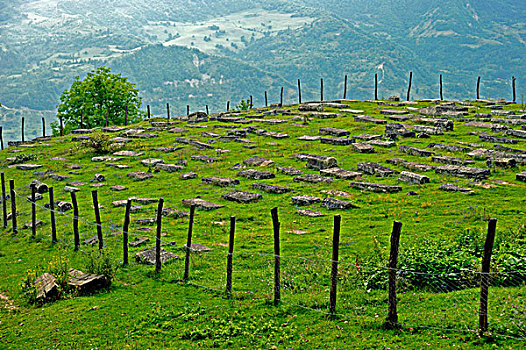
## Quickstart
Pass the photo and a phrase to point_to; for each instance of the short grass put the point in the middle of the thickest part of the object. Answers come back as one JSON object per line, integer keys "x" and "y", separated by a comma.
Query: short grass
{"x": 145, "y": 310}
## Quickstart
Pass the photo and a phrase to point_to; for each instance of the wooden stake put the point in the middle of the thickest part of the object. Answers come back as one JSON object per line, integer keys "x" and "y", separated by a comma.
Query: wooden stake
{"x": 148, "y": 107}
{"x": 52, "y": 213}
{"x": 13, "y": 205}
{"x": 158, "y": 236}
{"x": 484, "y": 276}
{"x": 43, "y": 127}
{"x": 4, "y": 200}
{"x": 299, "y": 91}
{"x": 187, "y": 110}
{"x": 321, "y": 89}
{"x": 188, "y": 246}
{"x": 97, "y": 218}
{"x": 33, "y": 212}
{"x": 251, "y": 105}
{"x": 441, "y": 96}
{"x": 126, "y": 116}
{"x": 513, "y": 87}
{"x": 376, "y": 87}
{"x": 168, "y": 111}
{"x": 345, "y": 87}
{"x": 2, "y": 138}
{"x": 334, "y": 269}
{"x": 392, "y": 316}
{"x": 125, "y": 233}
{"x": 478, "y": 88}
{"x": 277, "y": 270}
{"x": 409, "y": 86}
{"x": 266, "y": 99}
{"x": 23, "y": 125}
{"x": 75, "y": 220}
{"x": 281, "y": 98}
{"x": 227, "y": 106}
{"x": 229, "y": 256}
{"x": 206, "y": 109}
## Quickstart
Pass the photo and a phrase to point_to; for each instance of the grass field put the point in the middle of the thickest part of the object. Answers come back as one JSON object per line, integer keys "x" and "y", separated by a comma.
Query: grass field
{"x": 442, "y": 236}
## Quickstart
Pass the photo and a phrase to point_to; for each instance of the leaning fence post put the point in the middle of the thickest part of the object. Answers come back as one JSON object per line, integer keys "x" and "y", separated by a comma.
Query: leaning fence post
{"x": 188, "y": 246}
{"x": 158, "y": 236}
{"x": 277, "y": 274}
{"x": 97, "y": 218}
{"x": 409, "y": 86}
{"x": 334, "y": 269}
{"x": 61, "y": 126}
{"x": 229, "y": 256}
{"x": 13, "y": 205}
{"x": 281, "y": 97}
{"x": 187, "y": 110}
{"x": 125, "y": 233}
{"x": 33, "y": 212}
{"x": 227, "y": 106}
{"x": 75, "y": 220}
{"x": 345, "y": 87}
{"x": 266, "y": 99}
{"x": 441, "y": 96}
{"x": 148, "y": 108}
{"x": 23, "y": 125}
{"x": 52, "y": 213}
{"x": 478, "y": 87}
{"x": 376, "y": 87}
{"x": 392, "y": 317}
{"x": 299, "y": 91}
{"x": 43, "y": 127}
{"x": 4, "y": 200}
{"x": 513, "y": 88}
{"x": 321, "y": 89}
{"x": 168, "y": 111}
{"x": 251, "y": 104}
{"x": 206, "y": 109}
{"x": 484, "y": 276}
{"x": 1, "y": 138}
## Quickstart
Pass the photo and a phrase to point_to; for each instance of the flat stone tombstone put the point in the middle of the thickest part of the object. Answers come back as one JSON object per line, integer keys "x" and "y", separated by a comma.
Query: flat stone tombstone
{"x": 139, "y": 175}
{"x": 128, "y": 154}
{"x": 309, "y": 213}
{"x": 333, "y": 203}
{"x": 220, "y": 181}
{"x": 80, "y": 138}
{"x": 255, "y": 174}
{"x": 305, "y": 200}
{"x": 188, "y": 176}
{"x": 28, "y": 166}
{"x": 334, "y": 132}
{"x": 73, "y": 166}
{"x": 119, "y": 139}
{"x": 169, "y": 167}
{"x": 429, "y": 130}
{"x": 373, "y": 187}
{"x": 71, "y": 189}
{"x": 502, "y": 162}
{"x": 376, "y": 169}
{"x": 91, "y": 241}
{"x": 521, "y": 176}
{"x": 81, "y": 131}
{"x": 393, "y": 111}
{"x": 63, "y": 206}
{"x": 363, "y": 147}
{"x": 46, "y": 286}
{"x": 169, "y": 212}
{"x": 204, "y": 159}
{"x": 177, "y": 130}
{"x": 454, "y": 188}
{"x": 367, "y": 137}
{"x": 412, "y": 178}
{"x": 118, "y": 188}
{"x": 113, "y": 128}
{"x": 415, "y": 151}
{"x": 242, "y": 196}
{"x": 318, "y": 162}
{"x": 368, "y": 119}
{"x": 272, "y": 188}
{"x": 87, "y": 281}
{"x": 106, "y": 159}
{"x": 495, "y": 139}
{"x": 200, "y": 204}
{"x": 417, "y": 166}
{"x": 382, "y": 143}
{"x": 38, "y": 197}
{"x": 40, "y": 187}
{"x": 139, "y": 241}
{"x": 119, "y": 203}
{"x": 309, "y": 138}
{"x": 258, "y": 161}
{"x": 312, "y": 178}
{"x": 340, "y": 173}
{"x": 451, "y": 160}
{"x": 147, "y": 221}
{"x": 337, "y": 141}
{"x": 59, "y": 159}
{"x": 196, "y": 247}
{"x": 38, "y": 223}
{"x": 151, "y": 161}
{"x": 463, "y": 171}
{"x": 336, "y": 193}
{"x": 99, "y": 178}
{"x": 287, "y": 170}
{"x": 118, "y": 166}
{"x": 58, "y": 177}
{"x": 142, "y": 136}
{"x": 144, "y": 200}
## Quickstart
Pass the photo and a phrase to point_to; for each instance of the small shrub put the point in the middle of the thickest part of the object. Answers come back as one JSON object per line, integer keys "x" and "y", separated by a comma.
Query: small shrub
{"x": 22, "y": 158}
{"x": 101, "y": 262}
{"x": 100, "y": 143}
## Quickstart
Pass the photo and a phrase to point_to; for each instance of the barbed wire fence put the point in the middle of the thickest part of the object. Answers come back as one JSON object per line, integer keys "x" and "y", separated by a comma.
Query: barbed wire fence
{"x": 442, "y": 301}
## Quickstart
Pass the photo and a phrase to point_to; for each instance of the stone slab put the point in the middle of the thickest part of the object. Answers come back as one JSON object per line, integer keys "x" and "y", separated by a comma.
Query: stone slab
{"x": 242, "y": 196}
{"x": 200, "y": 204}
{"x": 271, "y": 188}
{"x": 340, "y": 173}
{"x": 374, "y": 187}
{"x": 305, "y": 200}
{"x": 148, "y": 256}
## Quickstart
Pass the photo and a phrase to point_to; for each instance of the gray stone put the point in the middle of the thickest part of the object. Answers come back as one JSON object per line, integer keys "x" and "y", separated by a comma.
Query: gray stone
{"x": 393, "y": 112}
{"x": 142, "y": 136}
{"x": 451, "y": 160}
{"x": 521, "y": 176}
{"x": 272, "y": 188}
{"x": 113, "y": 129}
{"x": 412, "y": 178}
{"x": 257, "y": 161}
{"x": 334, "y": 132}
{"x": 99, "y": 178}
{"x": 144, "y": 200}
{"x": 312, "y": 178}
{"x": 28, "y": 166}
{"x": 255, "y": 174}
{"x": 376, "y": 169}
{"x": 382, "y": 143}
{"x": 309, "y": 138}
{"x": 63, "y": 206}
{"x": 151, "y": 161}
{"x": 220, "y": 181}
{"x": 429, "y": 130}
{"x": 118, "y": 166}
{"x": 80, "y": 138}
{"x": 333, "y": 203}
{"x": 106, "y": 159}
{"x": 454, "y": 188}
{"x": 188, "y": 176}
{"x": 71, "y": 189}
{"x": 508, "y": 149}
{"x": 58, "y": 177}
{"x": 363, "y": 147}
{"x": 38, "y": 197}
{"x": 128, "y": 153}
{"x": 168, "y": 149}
{"x": 81, "y": 131}
{"x": 40, "y": 187}
{"x": 119, "y": 203}
{"x": 373, "y": 187}
{"x": 173, "y": 213}
{"x": 118, "y": 188}
{"x": 198, "y": 248}
{"x": 119, "y": 139}
{"x": 367, "y": 137}
{"x": 338, "y": 141}
{"x": 495, "y": 139}
{"x": 168, "y": 167}
{"x": 340, "y": 173}
{"x": 287, "y": 170}
{"x": 305, "y": 200}
{"x": 368, "y": 119}
{"x": 205, "y": 159}
{"x": 395, "y": 129}
{"x": 148, "y": 256}
{"x": 46, "y": 286}
{"x": 501, "y": 162}
{"x": 178, "y": 130}
{"x": 309, "y": 213}
{"x": 147, "y": 221}
{"x": 463, "y": 171}
{"x": 139, "y": 241}
{"x": 417, "y": 166}
{"x": 517, "y": 133}
{"x": 242, "y": 196}
{"x": 317, "y": 162}
{"x": 38, "y": 223}
{"x": 139, "y": 175}
{"x": 200, "y": 204}
{"x": 193, "y": 143}
{"x": 310, "y": 107}
{"x": 415, "y": 151}
{"x": 450, "y": 148}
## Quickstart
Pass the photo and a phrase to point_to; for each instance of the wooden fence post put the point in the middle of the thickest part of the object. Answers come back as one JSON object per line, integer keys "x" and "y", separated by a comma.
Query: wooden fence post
{"x": 299, "y": 91}
{"x": 52, "y": 213}
{"x": 168, "y": 111}
{"x": 188, "y": 246}
{"x": 266, "y": 99}
{"x": 281, "y": 97}
{"x": 409, "y": 86}
{"x": 441, "y": 96}
{"x": 33, "y": 212}
{"x": 392, "y": 317}
{"x": 251, "y": 104}
{"x": 13, "y": 205}
{"x": 4, "y": 200}
{"x": 158, "y": 236}
{"x": 1, "y": 138}
{"x": 206, "y": 109}
{"x": 229, "y": 256}
{"x": 75, "y": 220}
{"x": 125, "y": 233}
{"x": 61, "y": 126}
{"x": 277, "y": 271}
{"x": 484, "y": 276}
{"x": 376, "y": 87}
{"x": 97, "y": 218}
{"x": 149, "y": 114}
{"x": 345, "y": 87}
{"x": 478, "y": 88}
{"x": 43, "y": 127}
{"x": 23, "y": 125}
{"x": 513, "y": 88}
{"x": 321, "y": 89}
{"x": 227, "y": 106}
{"x": 126, "y": 116}
{"x": 334, "y": 269}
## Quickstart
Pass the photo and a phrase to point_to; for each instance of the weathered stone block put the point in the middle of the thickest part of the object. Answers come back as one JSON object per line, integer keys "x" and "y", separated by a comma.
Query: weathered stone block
{"x": 415, "y": 151}
{"x": 454, "y": 188}
{"x": 312, "y": 178}
{"x": 334, "y": 132}
{"x": 463, "y": 171}
{"x": 200, "y": 204}
{"x": 340, "y": 173}
{"x": 333, "y": 203}
{"x": 363, "y": 147}
{"x": 255, "y": 174}
{"x": 376, "y": 169}
{"x": 220, "y": 181}
{"x": 242, "y": 196}
{"x": 139, "y": 175}
{"x": 412, "y": 178}
{"x": 337, "y": 141}
{"x": 373, "y": 187}
{"x": 272, "y": 188}
{"x": 305, "y": 200}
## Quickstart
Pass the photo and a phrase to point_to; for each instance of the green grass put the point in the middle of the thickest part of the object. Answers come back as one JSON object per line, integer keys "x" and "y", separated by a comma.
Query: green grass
{"x": 144, "y": 310}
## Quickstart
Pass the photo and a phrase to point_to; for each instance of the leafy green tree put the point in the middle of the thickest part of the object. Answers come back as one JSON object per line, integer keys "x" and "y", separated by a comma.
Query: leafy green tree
{"x": 99, "y": 93}
{"x": 244, "y": 105}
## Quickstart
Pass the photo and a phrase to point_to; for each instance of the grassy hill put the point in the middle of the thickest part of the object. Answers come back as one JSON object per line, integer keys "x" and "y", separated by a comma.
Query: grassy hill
{"x": 442, "y": 237}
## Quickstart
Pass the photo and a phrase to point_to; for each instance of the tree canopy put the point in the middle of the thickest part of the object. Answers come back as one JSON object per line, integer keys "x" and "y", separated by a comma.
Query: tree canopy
{"x": 100, "y": 93}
